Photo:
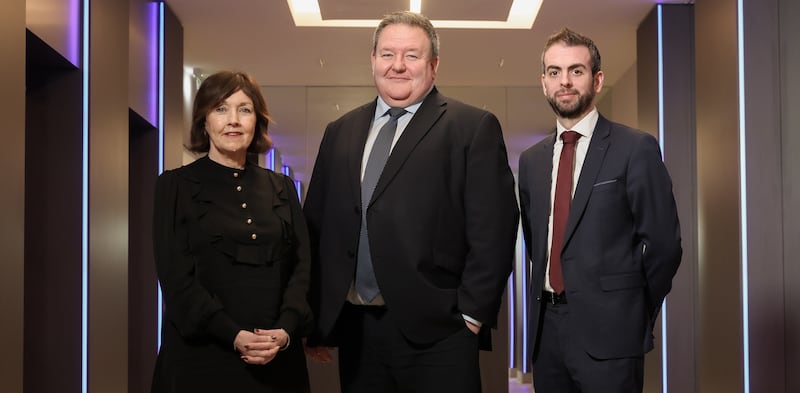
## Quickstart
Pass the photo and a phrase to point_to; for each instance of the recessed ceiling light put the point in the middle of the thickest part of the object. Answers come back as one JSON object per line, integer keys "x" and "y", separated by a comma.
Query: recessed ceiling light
{"x": 522, "y": 13}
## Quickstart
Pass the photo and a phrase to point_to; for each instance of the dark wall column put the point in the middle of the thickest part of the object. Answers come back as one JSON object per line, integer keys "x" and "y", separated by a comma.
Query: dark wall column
{"x": 174, "y": 126}
{"x": 108, "y": 196}
{"x": 12, "y": 200}
{"x": 53, "y": 216}
{"x": 143, "y": 170}
{"x": 764, "y": 210}
{"x": 53, "y": 195}
{"x": 143, "y": 96}
{"x": 790, "y": 140}
{"x": 647, "y": 94}
{"x": 680, "y": 145}
{"x": 679, "y": 140}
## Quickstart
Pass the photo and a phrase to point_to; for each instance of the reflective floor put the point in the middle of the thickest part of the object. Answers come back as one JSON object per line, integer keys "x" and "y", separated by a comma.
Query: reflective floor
{"x": 515, "y": 386}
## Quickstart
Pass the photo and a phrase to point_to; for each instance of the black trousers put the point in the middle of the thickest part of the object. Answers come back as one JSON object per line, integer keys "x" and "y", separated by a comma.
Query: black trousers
{"x": 374, "y": 357}
{"x": 561, "y": 365}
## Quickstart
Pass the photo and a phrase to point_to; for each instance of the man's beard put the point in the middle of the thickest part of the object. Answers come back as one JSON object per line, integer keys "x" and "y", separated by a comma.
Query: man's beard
{"x": 584, "y": 103}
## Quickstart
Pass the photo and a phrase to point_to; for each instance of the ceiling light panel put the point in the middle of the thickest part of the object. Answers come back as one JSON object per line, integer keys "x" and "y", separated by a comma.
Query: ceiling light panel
{"x": 519, "y": 14}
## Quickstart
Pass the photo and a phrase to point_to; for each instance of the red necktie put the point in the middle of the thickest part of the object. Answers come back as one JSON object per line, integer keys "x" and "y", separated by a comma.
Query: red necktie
{"x": 561, "y": 203}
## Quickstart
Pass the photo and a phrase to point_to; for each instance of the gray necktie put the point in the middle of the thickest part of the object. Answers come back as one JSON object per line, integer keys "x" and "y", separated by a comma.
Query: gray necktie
{"x": 366, "y": 285}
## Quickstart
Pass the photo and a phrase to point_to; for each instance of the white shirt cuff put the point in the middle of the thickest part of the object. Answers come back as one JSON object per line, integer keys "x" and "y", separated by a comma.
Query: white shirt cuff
{"x": 471, "y": 320}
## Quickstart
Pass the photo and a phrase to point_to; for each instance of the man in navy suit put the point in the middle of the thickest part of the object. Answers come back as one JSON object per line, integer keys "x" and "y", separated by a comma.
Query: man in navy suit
{"x": 440, "y": 227}
{"x": 599, "y": 278}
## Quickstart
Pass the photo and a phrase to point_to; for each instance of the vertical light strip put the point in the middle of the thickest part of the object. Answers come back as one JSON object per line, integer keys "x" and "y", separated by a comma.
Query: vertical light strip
{"x": 85, "y": 200}
{"x": 160, "y": 98}
{"x": 160, "y": 137}
{"x": 659, "y": 8}
{"x": 743, "y": 196}
{"x": 511, "y": 322}
{"x": 298, "y": 185}
{"x": 74, "y": 33}
{"x": 660, "y": 21}
{"x": 524, "y": 290}
{"x": 271, "y": 160}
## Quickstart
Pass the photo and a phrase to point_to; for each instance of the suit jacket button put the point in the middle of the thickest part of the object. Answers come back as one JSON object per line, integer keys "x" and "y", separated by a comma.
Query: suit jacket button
{"x": 357, "y": 210}
{"x": 351, "y": 254}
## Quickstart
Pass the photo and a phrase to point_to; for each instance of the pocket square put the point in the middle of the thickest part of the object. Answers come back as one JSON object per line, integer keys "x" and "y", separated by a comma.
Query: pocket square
{"x": 602, "y": 183}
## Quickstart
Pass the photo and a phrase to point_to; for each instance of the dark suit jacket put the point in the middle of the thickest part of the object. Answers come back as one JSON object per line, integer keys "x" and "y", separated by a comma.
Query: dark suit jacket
{"x": 442, "y": 220}
{"x": 622, "y": 241}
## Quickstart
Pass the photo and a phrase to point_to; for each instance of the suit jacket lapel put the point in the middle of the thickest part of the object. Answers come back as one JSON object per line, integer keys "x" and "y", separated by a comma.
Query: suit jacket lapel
{"x": 358, "y": 138}
{"x": 591, "y": 167}
{"x": 428, "y": 113}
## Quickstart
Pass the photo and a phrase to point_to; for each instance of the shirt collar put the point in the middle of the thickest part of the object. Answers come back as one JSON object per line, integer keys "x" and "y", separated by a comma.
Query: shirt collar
{"x": 382, "y": 106}
{"x": 585, "y": 126}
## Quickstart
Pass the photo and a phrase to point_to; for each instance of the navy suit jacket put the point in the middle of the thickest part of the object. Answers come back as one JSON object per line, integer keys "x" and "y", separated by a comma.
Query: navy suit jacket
{"x": 622, "y": 242}
{"x": 442, "y": 219}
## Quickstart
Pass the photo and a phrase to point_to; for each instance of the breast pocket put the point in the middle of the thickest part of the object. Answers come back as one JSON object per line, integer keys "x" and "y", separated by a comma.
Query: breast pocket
{"x": 605, "y": 185}
{"x": 607, "y": 201}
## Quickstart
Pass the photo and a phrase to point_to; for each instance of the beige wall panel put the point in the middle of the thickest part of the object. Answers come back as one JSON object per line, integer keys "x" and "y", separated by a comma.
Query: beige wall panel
{"x": 326, "y": 104}
{"x": 625, "y": 108}
{"x": 719, "y": 286}
{"x": 287, "y": 106}
{"x": 12, "y": 201}
{"x": 142, "y": 70}
{"x": 56, "y": 22}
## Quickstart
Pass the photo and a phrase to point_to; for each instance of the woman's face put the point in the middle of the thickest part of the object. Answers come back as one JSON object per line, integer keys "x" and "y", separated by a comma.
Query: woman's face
{"x": 230, "y": 127}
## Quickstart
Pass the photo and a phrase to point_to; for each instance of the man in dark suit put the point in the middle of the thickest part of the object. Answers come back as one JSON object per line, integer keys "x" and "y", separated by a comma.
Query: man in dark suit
{"x": 437, "y": 232}
{"x": 602, "y": 263}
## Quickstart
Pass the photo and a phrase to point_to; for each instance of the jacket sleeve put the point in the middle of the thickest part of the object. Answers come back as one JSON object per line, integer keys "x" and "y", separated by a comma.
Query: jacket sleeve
{"x": 313, "y": 211}
{"x": 296, "y": 316}
{"x": 492, "y": 220}
{"x": 656, "y": 219}
{"x": 189, "y": 306}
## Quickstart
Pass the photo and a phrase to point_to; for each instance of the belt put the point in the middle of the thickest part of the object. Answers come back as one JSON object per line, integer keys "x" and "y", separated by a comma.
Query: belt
{"x": 553, "y": 298}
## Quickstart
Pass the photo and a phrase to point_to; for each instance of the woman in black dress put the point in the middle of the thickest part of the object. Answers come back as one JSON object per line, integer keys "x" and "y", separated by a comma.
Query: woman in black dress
{"x": 232, "y": 255}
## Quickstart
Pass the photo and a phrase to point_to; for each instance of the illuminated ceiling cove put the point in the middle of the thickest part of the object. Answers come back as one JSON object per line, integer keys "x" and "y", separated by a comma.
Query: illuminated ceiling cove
{"x": 520, "y": 15}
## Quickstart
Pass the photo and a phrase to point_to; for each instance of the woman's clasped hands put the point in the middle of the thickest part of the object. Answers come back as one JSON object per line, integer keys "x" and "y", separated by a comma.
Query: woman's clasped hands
{"x": 260, "y": 346}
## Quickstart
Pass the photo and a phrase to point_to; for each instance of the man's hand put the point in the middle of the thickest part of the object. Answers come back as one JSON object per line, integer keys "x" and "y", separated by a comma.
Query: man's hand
{"x": 318, "y": 354}
{"x": 472, "y": 327}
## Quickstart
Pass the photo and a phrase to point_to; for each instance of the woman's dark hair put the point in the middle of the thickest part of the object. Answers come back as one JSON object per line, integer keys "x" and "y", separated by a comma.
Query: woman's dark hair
{"x": 212, "y": 92}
